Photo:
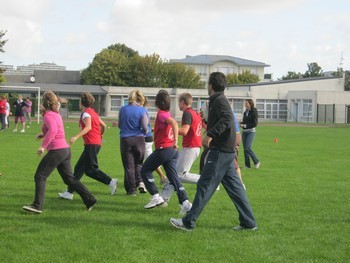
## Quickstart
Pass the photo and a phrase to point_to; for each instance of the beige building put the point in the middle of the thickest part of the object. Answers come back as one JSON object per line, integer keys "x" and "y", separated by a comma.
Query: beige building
{"x": 206, "y": 64}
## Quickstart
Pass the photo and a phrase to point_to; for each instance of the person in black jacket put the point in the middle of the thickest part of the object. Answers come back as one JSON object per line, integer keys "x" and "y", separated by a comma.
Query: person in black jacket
{"x": 219, "y": 165}
{"x": 248, "y": 124}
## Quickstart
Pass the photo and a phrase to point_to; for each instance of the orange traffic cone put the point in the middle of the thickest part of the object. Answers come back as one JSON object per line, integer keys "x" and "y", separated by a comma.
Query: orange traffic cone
{"x": 275, "y": 140}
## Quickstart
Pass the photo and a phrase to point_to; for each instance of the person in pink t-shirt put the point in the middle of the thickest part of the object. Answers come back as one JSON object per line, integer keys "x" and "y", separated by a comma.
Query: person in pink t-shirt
{"x": 58, "y": 156}
{"x": 28, "y": 111}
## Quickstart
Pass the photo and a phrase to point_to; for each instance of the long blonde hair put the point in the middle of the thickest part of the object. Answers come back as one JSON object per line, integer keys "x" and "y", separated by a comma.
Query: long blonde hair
{"x": 50, "y": 101}
{"x": 136, "y": 96}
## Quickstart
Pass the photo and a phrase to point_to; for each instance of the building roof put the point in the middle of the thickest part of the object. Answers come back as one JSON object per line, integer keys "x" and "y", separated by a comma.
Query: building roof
{"x": 212, "y": 59}
{"x": 57, "y": 88}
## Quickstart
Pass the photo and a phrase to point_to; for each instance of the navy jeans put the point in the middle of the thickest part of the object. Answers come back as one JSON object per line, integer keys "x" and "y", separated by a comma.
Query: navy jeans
{"x": 168, "y": 158}
{"x": 219, "y": 167}
{"x": 247, "y": 140}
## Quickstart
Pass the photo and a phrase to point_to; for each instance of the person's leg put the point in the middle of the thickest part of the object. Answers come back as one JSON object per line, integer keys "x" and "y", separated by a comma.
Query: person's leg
{"x": 65, "y": 171}
{"x": 138, "y": 154}
{"x": 148, "y": 151}
{"x": 245, "y": 147}
{"x": 3, "y": 123}
{"x": 202, "y": 160}
{"x": 129, "y": 165}
{"x": 153, "y": 161}
{"x": 16, "y": 123}
{"x": 171, "y": 173}
{"x": 91, "y": 164}
{"x": 23, "y": 123}
{"x": 186, "y": 159}
{"x": 236, "y": 192}
{"x": 248, "y": 148}
{"x": 47, "y": 164}
{"x": 79, "y": 168}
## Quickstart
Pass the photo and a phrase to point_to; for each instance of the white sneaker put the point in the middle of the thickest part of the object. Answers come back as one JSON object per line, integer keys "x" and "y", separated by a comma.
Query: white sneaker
{"x": 15, "y": 130}
{"x": 244, "y": 186}
{"x": 142, "y": 188}
{"x": 179, "y": 224}
{"x": 155, "y": 201}
{"x": 23, "y": 130}
{"x": 218, "y": 188}
{"x": 185, "y": 207}
{"x": 257, "y": 165}
{"x": 66, "y": 195}
{"x": 113, "y": 186}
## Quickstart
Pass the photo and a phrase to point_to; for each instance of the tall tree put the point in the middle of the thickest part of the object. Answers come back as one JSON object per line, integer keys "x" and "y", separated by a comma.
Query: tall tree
{"x": 314, "y": 70}
{"x": 292, "y": 75}
{"x": 2, "y": 43}
{"x": 177, "y": 75}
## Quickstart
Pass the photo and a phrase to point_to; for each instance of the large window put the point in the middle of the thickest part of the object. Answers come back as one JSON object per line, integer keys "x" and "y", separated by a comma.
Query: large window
{"x": 117, "y": 102}
{"x": 272, "y": 109}
{"x": 238, "y": 107}
{"x": 307, "y": 110}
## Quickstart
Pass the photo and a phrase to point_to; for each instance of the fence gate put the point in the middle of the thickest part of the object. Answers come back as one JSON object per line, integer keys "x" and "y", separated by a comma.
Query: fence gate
{"x": 325, "y": 113}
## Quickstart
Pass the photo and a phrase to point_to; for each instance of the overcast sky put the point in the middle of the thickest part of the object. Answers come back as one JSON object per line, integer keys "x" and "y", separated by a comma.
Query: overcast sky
{"x": 285, "y": 34}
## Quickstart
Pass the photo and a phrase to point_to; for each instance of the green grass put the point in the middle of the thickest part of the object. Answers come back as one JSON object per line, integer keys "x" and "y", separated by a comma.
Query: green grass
{"x": 300, "y": 197}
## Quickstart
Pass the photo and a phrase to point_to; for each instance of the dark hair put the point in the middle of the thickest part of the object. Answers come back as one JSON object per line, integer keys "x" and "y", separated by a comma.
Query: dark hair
{"x": 87, "y": 99}
{"x": 217, "y": 81}
{"x": 251, "y": 103}
{"x": 163, "y": 100}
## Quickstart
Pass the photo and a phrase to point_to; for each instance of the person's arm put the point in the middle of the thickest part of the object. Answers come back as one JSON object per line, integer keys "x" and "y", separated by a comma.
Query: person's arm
{"x": 144, "y": 123}
{"x": 224, "y": 116}
{"x": 185, "y": 123}
{"x": 102, "y": 127}
{"x": 175, "y": 128}
{"x": 52, "y": 129}
{"x": 87, "y": 128}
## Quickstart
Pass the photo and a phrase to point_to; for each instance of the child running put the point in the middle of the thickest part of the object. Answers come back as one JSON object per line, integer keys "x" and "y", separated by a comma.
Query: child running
{"x": 92, "y": 129}
{"x": 166, "y": 154}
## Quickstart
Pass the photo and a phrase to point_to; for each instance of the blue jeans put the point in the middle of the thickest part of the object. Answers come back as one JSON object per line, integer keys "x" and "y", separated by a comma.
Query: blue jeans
{"x": 247, "y": 139}
{"x": 168, "y": 158}
{"x": 219, "y": 167}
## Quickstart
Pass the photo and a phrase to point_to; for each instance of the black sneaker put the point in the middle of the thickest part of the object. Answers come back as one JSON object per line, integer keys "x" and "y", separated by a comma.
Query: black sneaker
{"x": 31, "y": 208}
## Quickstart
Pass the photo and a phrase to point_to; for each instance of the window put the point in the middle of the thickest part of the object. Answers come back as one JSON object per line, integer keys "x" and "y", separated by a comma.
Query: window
{"x": 238, "y": 106}
{"x": 307, "y": 109}
{"x": 116, "y": 103}
{"x": 272, "y": 109}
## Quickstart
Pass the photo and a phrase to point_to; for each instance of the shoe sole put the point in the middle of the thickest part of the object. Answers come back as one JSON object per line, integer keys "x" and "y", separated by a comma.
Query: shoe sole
{"x": 65, "y": 198}
{"x": 180, "y": 227}
{"x": 33, "y": 210}
{"x": 160, "y": 204}
{"x": 142, "y": 190}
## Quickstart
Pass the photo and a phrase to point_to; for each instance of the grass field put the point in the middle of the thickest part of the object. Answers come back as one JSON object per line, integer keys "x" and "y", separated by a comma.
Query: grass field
{"x": 300, "y": 197}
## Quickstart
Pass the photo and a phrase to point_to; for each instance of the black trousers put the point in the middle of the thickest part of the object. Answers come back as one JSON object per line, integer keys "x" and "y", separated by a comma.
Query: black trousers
{"x": 88, "y": 164}
{"x": 132, "y": 151}
{"x": 60, "y": 159}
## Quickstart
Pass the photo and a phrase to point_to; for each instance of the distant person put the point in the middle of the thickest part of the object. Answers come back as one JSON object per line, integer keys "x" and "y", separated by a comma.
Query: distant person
{"x": 28, "y": 111}
{"x": 92, "y": 129}
{"x": 8, "y": 113}
{"x": 3, "y": 112}
{"x": 19, "y": 113}
{"x": 133, "y": 125}
{"x": 165, "y": 140}
{"x": 58, "y": 156}
{"x": 191, "y": 130}
{"x": 248, "y": 124}
{"x": 219, "y": 166}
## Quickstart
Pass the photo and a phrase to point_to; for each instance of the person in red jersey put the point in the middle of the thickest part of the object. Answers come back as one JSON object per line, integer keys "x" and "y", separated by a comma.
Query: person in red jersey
{"x": 92, "y": 129}
{"x": 166, "y": 154}
{"x": 191, "y": 130}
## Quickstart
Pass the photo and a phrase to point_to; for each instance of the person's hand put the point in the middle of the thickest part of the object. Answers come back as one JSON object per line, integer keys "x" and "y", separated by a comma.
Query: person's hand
{"x": 40, "y": 151}
{"x": 72, "y": 140}
{"x": 39, "y": 136}
{"x": 114, "y": 124}
{"x": 206, "y": 141}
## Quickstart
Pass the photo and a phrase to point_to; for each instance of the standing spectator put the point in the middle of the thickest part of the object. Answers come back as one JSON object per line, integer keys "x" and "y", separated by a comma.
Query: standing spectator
{"x": 191, "y": 130}
{"x": 92, "y": 129}
{"x": 166, "y": 139}
{"x": 3, "y": 112}
{"x": 248, "y": 124}
{"x": 28, "y": 111}
{"x": 58, "y": 156}
{"x": 19, "y": 113}
{"x": 8, "y": 113}
{"x": 219, "y": 165}
{"x": 132, "y": 123}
